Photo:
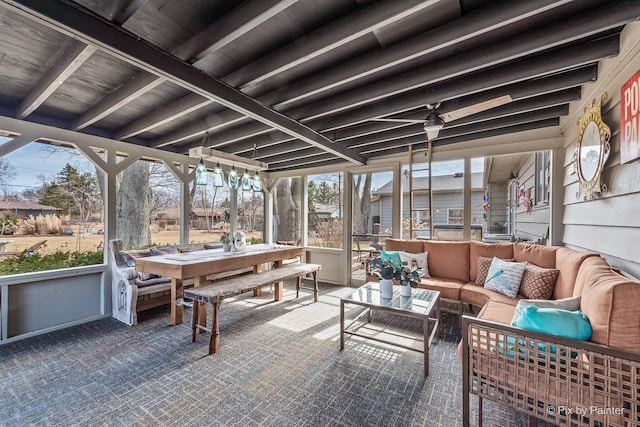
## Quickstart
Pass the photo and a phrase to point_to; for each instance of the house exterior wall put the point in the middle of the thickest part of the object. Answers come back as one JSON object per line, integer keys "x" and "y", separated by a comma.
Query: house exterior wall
{"x": 530, "y": 225}
{"x": 609, "y": 225}
{"x": 441, "y": 201}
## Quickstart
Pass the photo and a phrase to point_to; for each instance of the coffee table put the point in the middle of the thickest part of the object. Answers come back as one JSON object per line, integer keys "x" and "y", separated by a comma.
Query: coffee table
{"x": 421, "y": 304}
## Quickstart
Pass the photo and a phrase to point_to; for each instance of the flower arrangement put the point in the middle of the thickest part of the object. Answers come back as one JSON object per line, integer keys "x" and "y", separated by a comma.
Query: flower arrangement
{"x": 225, "y": 238}
{"x": 387, "y": 269}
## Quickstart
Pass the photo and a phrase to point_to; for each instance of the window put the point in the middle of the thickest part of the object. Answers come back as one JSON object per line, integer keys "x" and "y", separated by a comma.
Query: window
{"x": 455, "y": 216}
{"x": 542, "y": 177}
{"x": 325, "y": 210}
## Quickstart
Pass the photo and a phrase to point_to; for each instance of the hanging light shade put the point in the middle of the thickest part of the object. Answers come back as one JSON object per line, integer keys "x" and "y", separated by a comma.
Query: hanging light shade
{"x": 218, "y": 176}
{"x": 246, "y": 180}
{"x": 201, "y": 173}
{"x": 233, "y": 178}
{"x": 256, "y": 183}
{"x": 432, "y": 125}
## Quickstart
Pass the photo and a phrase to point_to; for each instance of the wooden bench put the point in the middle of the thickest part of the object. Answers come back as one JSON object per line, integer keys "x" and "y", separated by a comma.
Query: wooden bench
{"x": 214, "y": 293}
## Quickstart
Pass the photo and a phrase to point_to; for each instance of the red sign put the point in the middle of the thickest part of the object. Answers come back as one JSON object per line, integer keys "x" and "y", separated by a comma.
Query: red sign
{"x": 630, "y": 119}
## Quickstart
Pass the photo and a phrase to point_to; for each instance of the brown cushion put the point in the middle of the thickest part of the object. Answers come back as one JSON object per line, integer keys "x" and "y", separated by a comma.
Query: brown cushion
{"x": 496, "y": 311}
{"x": 482, "y": 266}
{"x": 544, "y": 256}
{"x": 449, "y": 289}
{"x": 477, "y": 295}
{"x": 538, "y": 282}
{"x": 610, "y": 301}
{"x": 501, "y": 250}
{"x": 448, "y": 260}
{"x": 413, "y": 246}
{"x": 568, "y": 262}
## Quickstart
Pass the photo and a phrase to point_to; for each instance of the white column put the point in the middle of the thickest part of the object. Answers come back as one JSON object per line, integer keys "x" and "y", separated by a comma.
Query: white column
{"x": 556, "y": 198}
{"x": 233, "y": 210}
{"x": 466, "y": 231}
{"x": 397, "y": 198}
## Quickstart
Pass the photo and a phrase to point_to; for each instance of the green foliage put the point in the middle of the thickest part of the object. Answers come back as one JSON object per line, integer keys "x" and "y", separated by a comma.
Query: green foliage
{"x": 73, "y": 190}
{"x": 255, "y": 241}
{"x": 25, "y": 263}
{"x": 389, "y": 270}
{"x": 225, "y": 238}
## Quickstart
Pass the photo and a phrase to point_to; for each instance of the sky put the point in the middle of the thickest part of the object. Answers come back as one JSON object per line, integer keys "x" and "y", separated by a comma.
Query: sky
{"x": 34, "y": 160}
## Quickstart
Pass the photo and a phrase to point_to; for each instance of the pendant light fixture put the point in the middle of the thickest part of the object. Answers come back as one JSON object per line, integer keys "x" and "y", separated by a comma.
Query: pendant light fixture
{"x": 234, "y": 180}
{"x": 246, "y": 180}
{"x": 218, "y": 176}
{"x": 256, "y": 183}
{"x": 201, "y": 173}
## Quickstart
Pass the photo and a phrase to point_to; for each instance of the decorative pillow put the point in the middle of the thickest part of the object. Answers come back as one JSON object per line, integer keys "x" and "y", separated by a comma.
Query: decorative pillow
{"x": 393, "y": 256}
{"x": 538, "y": 282}
{"x": 164, "y": 250}
{"x": 571, "y": 304}
{"x": 555, "y": 321}
{"x": 420, "y": 259}
{"x": 505, "y": 277}
{"x": 484, "y": 263}
{"x": 129, "y": 258}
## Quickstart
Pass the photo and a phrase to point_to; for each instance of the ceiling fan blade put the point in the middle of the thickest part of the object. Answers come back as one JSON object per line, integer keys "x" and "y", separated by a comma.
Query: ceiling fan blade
{"x": 398, "y": 120}
{"x": 475, "y": 108}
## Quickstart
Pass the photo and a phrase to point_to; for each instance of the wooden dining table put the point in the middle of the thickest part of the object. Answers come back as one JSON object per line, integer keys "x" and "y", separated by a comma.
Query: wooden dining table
{"x": 198, "y": 265}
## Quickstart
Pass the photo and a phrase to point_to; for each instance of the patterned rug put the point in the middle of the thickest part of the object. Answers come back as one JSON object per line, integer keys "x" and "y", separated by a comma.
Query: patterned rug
{"x": 279, "y": 365}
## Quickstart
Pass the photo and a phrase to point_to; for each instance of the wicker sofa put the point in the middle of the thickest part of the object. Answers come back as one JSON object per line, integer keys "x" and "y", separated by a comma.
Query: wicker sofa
{"x": 559, "y": 380}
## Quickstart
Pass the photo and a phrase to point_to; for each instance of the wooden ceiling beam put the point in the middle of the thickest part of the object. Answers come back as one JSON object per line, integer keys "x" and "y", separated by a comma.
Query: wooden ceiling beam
{"x": 325, "y": 39}
{"x": 126, "y": 10}
{"x": 75, "y": 54}
{"x": 240, "y": 20}
{"x": 92, "y": 29}
{"x": 137, "y": 86}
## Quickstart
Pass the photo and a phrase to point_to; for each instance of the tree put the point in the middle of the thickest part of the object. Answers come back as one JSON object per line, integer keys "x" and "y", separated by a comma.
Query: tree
{"x": 287, "y": 209}
{"x": 361, "y": 203}
{"x": 133, "y": 207}
{"x": 7, "y": 174}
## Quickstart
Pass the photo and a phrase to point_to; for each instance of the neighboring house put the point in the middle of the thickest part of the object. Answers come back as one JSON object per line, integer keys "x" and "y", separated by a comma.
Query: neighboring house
{"x": 198, "y": 217}
{"x": 326, "y": 211}
{"x": 447, "y": 199}
{"x": 26, "y": 209}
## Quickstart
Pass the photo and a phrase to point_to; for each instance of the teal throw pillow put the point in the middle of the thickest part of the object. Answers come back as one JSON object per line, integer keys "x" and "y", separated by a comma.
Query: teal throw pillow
{"x": 555, "y": 321}
{"x": 393, "y": 256}
{"x": 505, "y": 277}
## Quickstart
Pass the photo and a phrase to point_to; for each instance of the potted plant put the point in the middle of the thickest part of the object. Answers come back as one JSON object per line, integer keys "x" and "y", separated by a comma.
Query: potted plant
{"x": 225, "y": 238}
{"x": 387, "y": 271}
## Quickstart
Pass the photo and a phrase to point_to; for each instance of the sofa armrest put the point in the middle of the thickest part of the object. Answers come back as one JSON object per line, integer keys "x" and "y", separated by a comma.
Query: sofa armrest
{"x": 559, "y": 380}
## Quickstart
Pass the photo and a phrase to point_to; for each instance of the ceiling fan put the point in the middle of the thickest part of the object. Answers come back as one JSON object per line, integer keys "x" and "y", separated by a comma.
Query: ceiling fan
{"x": 434, "y": 122}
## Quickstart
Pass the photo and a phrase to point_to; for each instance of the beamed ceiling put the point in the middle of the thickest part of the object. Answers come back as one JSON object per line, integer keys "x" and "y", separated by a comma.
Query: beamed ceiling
{"x": 297, "y": 83}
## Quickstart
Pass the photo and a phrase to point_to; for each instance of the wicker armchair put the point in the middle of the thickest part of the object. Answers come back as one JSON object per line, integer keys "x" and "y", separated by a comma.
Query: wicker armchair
{"x": 558, "y": 380}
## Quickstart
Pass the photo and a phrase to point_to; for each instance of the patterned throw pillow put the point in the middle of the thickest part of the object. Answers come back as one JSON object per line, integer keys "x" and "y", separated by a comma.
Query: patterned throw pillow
{"x": 164, "y": 250}
{"x": 420, "y": 259}
{"x": 505, "y": 277}
{"x": 129, "y": 258}
{"x": 484, "y": 263}
{"x": 538, "y": 282}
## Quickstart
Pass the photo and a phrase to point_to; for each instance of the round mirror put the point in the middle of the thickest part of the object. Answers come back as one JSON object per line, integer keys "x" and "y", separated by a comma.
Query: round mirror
{"x": 590, "y": 152}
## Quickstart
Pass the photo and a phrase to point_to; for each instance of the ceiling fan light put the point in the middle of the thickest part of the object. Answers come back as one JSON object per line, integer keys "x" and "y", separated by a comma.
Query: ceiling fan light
{"x": 432, "y": 125}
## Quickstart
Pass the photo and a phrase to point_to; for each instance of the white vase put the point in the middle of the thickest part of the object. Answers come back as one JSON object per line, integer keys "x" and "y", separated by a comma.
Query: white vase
{"x": 386, "y": 288}
{"x": 405, "y": 291}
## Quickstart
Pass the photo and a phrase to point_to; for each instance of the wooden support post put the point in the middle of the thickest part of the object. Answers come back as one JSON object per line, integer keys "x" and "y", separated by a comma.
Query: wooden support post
{"x": 257, "y": 269}
{"x": 279, "y": 286}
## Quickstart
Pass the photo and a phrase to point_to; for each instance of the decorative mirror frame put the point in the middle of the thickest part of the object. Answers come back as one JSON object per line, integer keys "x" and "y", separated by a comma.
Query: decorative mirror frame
{"x": 589, "y": 188}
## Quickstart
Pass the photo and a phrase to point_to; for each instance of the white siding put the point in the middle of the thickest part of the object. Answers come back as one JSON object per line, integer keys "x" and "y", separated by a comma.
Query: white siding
{"x": 532, "y": 225}
{"x": 611, "y": 224}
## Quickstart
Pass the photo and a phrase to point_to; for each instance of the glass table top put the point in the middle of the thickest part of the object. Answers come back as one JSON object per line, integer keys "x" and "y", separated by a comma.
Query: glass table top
{"x": 421, "y": 301}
